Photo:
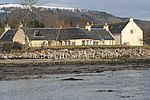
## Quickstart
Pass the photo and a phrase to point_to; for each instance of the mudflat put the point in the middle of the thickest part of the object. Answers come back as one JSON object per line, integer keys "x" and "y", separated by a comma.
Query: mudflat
{"x": 28, "y": 68}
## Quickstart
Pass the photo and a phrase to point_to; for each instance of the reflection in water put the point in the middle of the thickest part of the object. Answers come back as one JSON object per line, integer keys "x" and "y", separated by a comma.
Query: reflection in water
{"x": 109, "y": 85}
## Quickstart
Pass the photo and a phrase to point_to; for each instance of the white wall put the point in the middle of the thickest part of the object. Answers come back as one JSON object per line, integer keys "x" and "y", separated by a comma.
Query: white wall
{"x": 105, "y": 42}
{"x": 109, "y": 42}
{"x": 20, "y": 37}
{"x": 38, "y": 43}
{"x": 134, "y": 38}
{"x": 77, "y": 42}
{"x": 87, "y": 41}
{"x": 117, "y": 39}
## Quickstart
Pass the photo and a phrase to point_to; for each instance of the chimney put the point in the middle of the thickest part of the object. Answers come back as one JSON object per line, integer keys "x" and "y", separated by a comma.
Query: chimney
{"x": 131, "y": 19}
{"x": 7, "y": 28}
{"x": 20, "y": 26}
{"x": 106, "y": 27}
{"x": 77, "y": 26}
{"x": 88, "y": 26}
{"x": 60, "y": 27}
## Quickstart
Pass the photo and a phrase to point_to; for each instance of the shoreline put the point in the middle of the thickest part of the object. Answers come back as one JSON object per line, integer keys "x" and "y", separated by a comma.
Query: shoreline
{"x": 75, "y": 61}
{"x": 28, "y": 68}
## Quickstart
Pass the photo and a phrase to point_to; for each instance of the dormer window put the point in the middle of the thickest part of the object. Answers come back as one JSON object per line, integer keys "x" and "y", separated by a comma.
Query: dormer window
{"x": 131, "y": 31}
{"x": 38, "y": 34}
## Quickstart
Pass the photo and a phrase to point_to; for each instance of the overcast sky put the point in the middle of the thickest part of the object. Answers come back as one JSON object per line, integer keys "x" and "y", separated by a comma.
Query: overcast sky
{"x": 125, "y": 8}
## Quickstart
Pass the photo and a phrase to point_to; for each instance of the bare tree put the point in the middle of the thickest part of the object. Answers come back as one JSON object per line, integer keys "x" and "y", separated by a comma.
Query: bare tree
{"x": 28, "y": 4}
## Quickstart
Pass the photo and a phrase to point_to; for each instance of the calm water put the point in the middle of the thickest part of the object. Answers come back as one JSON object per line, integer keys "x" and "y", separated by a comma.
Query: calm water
{"x": 110, "y": 85}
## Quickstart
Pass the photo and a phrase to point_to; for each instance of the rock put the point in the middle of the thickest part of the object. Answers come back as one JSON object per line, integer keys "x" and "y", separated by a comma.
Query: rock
{"x": 71, "y": 79}
{"x": 105, "y": 91}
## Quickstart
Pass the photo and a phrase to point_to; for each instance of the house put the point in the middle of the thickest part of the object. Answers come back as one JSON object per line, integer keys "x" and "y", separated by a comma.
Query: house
{"x": 100, "y": 36}
{"x": 44, "y": 37}
{"x": 125, "y": 33}
{"x": 57, "y": 37}
{"x": 13, "y": 35}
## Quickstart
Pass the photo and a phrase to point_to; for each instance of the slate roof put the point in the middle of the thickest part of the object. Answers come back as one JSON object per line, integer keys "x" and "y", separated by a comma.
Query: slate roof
{"x": 56, "y": 34}
{"x": 117, "y": 27}
{"x": 8, "y": 36}
{"x": 99, "y": 34}
{"x": 60, "y": 34}
{"x": 113, "y": 28}
{"x": 97, "y": 26}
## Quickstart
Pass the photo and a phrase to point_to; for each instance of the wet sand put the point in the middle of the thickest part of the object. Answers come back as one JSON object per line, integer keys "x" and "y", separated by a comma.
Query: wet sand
{"x": 28, "y": 68}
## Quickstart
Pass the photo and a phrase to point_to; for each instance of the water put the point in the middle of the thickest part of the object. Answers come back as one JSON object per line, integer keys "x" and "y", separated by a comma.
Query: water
{"x": 109, "y": 85}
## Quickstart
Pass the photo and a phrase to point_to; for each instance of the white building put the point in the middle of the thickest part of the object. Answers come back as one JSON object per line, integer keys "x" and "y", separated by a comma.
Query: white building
{"x": 127, "y": 33}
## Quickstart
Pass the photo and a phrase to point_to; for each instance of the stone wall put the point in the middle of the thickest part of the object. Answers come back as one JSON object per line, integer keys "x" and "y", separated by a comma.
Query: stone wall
{"x": 77, "y": 54}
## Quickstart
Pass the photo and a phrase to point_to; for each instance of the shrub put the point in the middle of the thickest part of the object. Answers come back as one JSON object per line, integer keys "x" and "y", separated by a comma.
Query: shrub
{"x": 17, "y": 46}
{"x": 7, "y": 46}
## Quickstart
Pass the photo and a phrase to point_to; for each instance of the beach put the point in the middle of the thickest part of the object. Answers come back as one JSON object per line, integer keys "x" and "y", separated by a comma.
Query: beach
{"x": 28, "y": 68}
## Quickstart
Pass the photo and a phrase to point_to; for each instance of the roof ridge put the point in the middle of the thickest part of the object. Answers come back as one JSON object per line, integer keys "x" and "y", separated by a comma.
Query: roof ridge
{"x": 113, "y": 23}
{"x": 56, "y": 28}
{"x": 118, "y": 22}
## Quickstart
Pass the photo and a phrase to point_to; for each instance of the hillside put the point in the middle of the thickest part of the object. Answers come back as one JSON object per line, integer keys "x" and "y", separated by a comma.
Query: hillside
{"x": 47, "y": 16}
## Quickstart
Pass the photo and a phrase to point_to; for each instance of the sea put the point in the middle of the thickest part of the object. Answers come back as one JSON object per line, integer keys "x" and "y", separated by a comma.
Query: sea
{"x": 108, "y": 85}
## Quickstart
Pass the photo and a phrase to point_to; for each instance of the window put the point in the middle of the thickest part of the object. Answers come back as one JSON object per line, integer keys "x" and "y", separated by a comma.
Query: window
{"x": 83, "y": 42}
{"x": 60, "y": 42}
{"x": 69, "y": 43}
{"x": 50, "y": 43}
{"x": 95, "y": 43}
{"x": 38, "y": 34}
{"x": 103, "y": 42}
{"x": 125, "y": 43}
{"x": 87, "y": 42}
{"x": 131, "y": 31}
{"x": 65, "y": 43}
{"x": 73, "y": 43}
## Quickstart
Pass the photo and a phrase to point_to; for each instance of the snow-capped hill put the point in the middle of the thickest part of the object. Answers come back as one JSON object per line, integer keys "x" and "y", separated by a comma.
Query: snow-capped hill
{"x": 56, "y": 6}
{"x": 46, "y": 7}
{"x": 50, "y": 7}
{"x": 10, "y": 6}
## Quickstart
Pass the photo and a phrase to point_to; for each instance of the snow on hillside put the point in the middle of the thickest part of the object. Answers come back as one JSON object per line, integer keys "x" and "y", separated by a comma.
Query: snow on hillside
{"x": 48, "y": 6}
{"x": 10, "y": 5}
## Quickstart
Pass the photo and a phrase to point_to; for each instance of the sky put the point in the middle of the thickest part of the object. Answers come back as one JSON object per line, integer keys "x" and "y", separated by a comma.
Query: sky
{"x": 139, "y": 9}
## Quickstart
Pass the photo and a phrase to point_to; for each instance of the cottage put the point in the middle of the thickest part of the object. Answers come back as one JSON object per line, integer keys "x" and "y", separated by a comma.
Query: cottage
{"x": 44, "y": 37}
{"x": 125, "y": 33}
{"x": 57, "y": 37}
{"x": 100, "y": 36}
{"x": 13, "y": 35}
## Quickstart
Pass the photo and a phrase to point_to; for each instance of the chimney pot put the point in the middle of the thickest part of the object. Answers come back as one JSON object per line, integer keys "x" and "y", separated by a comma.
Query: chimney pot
{"x": 7, "y": 27}
{"x": 106, "y": 27}
{"x": 131, "y": 19}
{"x": 88, "y": 26}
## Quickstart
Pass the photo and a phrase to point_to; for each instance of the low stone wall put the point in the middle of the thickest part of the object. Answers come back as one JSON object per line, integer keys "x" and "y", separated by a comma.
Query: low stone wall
{"x": 77, "y": 54}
